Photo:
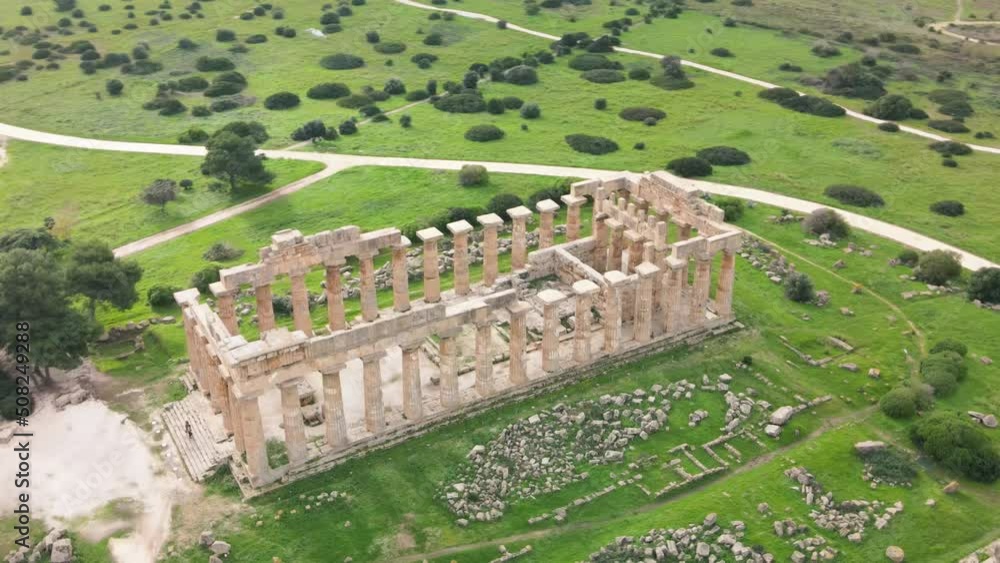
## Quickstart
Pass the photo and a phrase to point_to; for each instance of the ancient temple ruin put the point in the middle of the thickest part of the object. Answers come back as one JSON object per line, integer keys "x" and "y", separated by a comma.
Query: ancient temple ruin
{"x": 560, "y": 311}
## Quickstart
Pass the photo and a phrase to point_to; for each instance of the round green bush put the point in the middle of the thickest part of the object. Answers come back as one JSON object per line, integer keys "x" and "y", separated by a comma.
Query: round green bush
{"x": 958, "y": 109}
{"x": 521, "y": 75}
{"x": 671, "y": 83}
{"x": 778, "y": 94}
{"x": 512, "y": 102}
{"x": 721, "y": 52}
{"x": 192, "y": 84}
{"x": 214, "y": 64}
{"x": 891, "y": 106}
{"x": 281, "y": 100}
{"x": 947, "y": 96}
{"x": 433, "y": 39}
{"x": 724, "y": 156}
{"x": 601, "y": 104}
{"x": 956, "y": 443}
{"x": 603, "y": 76}
{"x": 937, "y": 267}
{"x": 390, "y": 47}
{"x": 193, "y": 136}
{"x": 495, "y": 106}
{"x": 949, "y": 162}
{"x": 854, "y": 195}
{"x": 799, "y": 288}
{"x": 639, "y": 74}
{"x": 161, "y": 295}
{"x": 950, "y": 148}
{"x": 946, "y": 360}
{"x": 732, "y": 207}
{"x": 484, "y": 133}
{"x": 417, "y": 95}
{"x": 984, "y": 285}
{"x": 342, "y": 61}
{"x": 461, "y": 103}
{"x": 531, "y": 111}
{"x": 500, "y": 203}
{"x": 114, "y": 87}
{"x": 826, "y": 221}
{"x": 948, "y": 208}
{"x": 950, "y": 345}
{"x": 593, "y": 61}
{"x": 899, "y": 402}
{"x": 354, "y": 101}
{"x": 690, "y": 167}
{"x": 888, "y": 127}
{"x": 591, "y": 144}
{"x": 908, "y": 257}
{"x": 813, "y": 105}
{"x": 948, "y": 125}
{"x": 943, "y": 382}
{"x": 473, "y": 175}
{"x": 328, "y": 91}
{"x": 639, "y": 113}
{"x": 427, "y": 58}
{"x": 204, "y": 277}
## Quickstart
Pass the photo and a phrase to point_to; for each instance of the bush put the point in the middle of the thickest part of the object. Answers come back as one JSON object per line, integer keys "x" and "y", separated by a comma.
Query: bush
{"x": 214, "y": 64}
{"x": 193, "y": 136}
{"x": 799, "y": 288}
{"x": 826, "y": 221}
{"x": 390, "y": 48}
{"x": 348, "y": 128}
{"x": 222, "y": 252}
{"x": 951, "y": 148}
{"x": 473, "y": 175}
{"x": 512, "y": 102}
{"x": 521, "y": 75}
{"x": 957, "y": 109}
{"x": 640, "y": 113}
{"x": 114, "y": 87}
{"x": 949, "y": 162}
{"x": 854, "y": 195}
{"x": 900, "y": 402}
{"x": 721, "y": 52}
{"x": 891, "y": 106}
{"x": 161, "y": 295}
{"x": 394, "y": 87}
{"x": 813, "y": 105}
{"x": 917, "y": 113}
{"x": 328, "y": 91}
{"x": 603, "y": 76}
{"x": 531, "y": 111}
{"x": 342, "y": 61}
{"x": 954, "y": 442}
{"x": 495, "y": 106}
{"x": 950, "y": 345}
{"x": 591, "y": 144}
{"x": 484, "y": 133}
{"x": 948, "y": 208}
{"x": 690, "y": 167}
{"x": 281, "y": 100}
{"x": 948, "y": 125}
{"x": 433, "y": 39}
{"x": 354, "y": 101}
{"x": 825, "y": 49}
{"x": 593, "y": 61}
{"x": 778, "y": 94}
{"x": 889, "y": 465}
{"x": 192, "y": 84}
{"x": 888, "y": 127}
{"x": 724, "y": 156}
{"x": 789, "y": 67}
{"x": 225, "y": 35}
{"x": 461, "y": 103}
{"x": 314, "y": 129}
{"x": 172, "y": 107}
{"x": 205, "y": 276}
{"x": 256, "y": 39}
{"x": 405, "y": 121}
{"x": 947, "y": 96}
{"x": 853, "y": 81}
{"x": 908, "y": 257}
{"x": 600, "y": 104}
{"x": 984, "y": 285}
{"x": 417, "y": 95}
{"x": 500, "y": 203}
{"x": 639, "y": 74}
{"x": 732, "y": 207}
{"x": 937, "y": 267}
{"x": 142, "y": 68}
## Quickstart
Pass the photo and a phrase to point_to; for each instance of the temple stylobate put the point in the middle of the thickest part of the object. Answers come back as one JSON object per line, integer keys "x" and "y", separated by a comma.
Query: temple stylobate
{"x": 641, "y": 280}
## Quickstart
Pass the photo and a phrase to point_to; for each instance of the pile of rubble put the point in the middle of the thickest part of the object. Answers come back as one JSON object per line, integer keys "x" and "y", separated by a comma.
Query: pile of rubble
{"x": 987, "y": 420}
{"x": 539, "y": 454}
{"x": 768, "y": 260}
{"x": 55, "y": 544}
{"x": 849, "y": 518}
{"x": 707, "y": 541}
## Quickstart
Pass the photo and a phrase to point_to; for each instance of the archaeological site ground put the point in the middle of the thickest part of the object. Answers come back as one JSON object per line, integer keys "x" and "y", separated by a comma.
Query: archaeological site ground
{"x": 499, "y": 280}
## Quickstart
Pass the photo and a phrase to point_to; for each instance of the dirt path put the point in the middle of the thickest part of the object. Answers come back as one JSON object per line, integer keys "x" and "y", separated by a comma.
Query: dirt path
{"x": 957, "y": 20}
{"x": 827, "y": 426}
{"x": 699, "y": 66}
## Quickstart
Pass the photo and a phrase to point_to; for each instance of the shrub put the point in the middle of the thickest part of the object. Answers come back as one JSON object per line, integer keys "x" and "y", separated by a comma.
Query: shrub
{"x": 192, "y": 84}
{"x": 908, "y": 257}
{"x": 937, "y": 267}
{"x": 724, "y": 156}
{"x": 473, "y": 175}
{"x": 690, "y": 167}
{"x": 328, "y": 91}
{"x": 917, "y": 113}
{"x": 531, "y": 111}
{"x": 826, "y": 221}
{"x": 348, "y": 128}
{"x": 958, "y": 445}
{"x": 732, "y": 207}
{"x": 205, "y": 276}
{"x": 888, "y": 127}
{"x": 905, "y": 48}
{"x": 354, "y": 101}
{"x": 521, "y": 75}
{"x": 889, "y": 465}
{"x": 372, "y": 36}
{"x": 601, "y": 104}
{"x": 946, "y": 96}
{"x": 226, "y": 84}
{"x": 950, "y": 148}
{"x": 671, "y": 83}
{"x": 789, "y": 67}
{"x": 899, "y": 402}
{"x": 214, "y": 64}
{"x": 314, "y": 129}
{"x": 172, "y": 107}
{"x": 944, "y": 382}
{"x": 220, "y": 106}
{"x": 950, "y": 345}
{"x": 281, "y": 100}
{"x": 495, "y": 106}
{"x": 799, "y": 288}
{"x": 639, "y": 74}
{"x": 114, "y": 87}
{"x": 394, "y": 87}
{"x": 256, "y": 39}
{"x": 484, "y": 133}
{"x": 390, "y": 48}
{"x": 500, "y": 203}
{"x": 948, "y": 125}
{"x": 225, "y": 35}
{"x": 778, "y": 94}
{"x": 161, "y": 295}
{"x": 222, "y": 252}
{"x": 957, "y": 109}
{"x": 949, "y": 163}
{"x": 433, "y": 39}
{"x": 142, "y": 68}
{"x": 405, "y": 121}
{"x": 853, "y": 81}
{"x": 593, "y": 61}
{"x": 603, "y": 76}
{"x": 461, "y": 103}
{"x": 825, "y": 49}
{"x": 342, "y": 61}
{"x": 193, "y": 136}
{"x": 984, "y": 285}
{"x": 721, "y": 52}
{"x": 813, "y": 105}
{"x": 640, "y": 113}
{"x": 891, "y": 106}
{"x": 200, "y": 111}
{"x": 417, "y": 95}
{"x": 854, "y": 195}
{"x": 512, "y": 102}
{"x": 948, "y": 208}
{"x": 591, "y": 144}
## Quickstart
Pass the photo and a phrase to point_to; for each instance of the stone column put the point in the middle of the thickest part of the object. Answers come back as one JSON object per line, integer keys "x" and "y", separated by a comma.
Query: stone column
{"x": 225, "y": 300}
{"x": 374, "y": 408}
{"x": 724, "y": 291}
{"x": 484, "y": 358}
{"x": 644, "y": 301}
{"x": 684, "y": 231}
{"x": 632, "y": 255}
{"x": 546, "y": 225}
{"x": 519, "y": 237}
{"x": 600, "y": 233}
{"x": 550, "y": 299}
{"x": 460, "y": 255}
{"x": 617, "y": 230}
{"x": 400, "y": 277}
{"x": 237, "y": 416}
{"x": 573, "y": 205}
{"x": 518, "y": 342}
{"x": 491, "y": 223}
{"x": 584, "y": 291}
{"x": 291, "y": 414}
{"x": 369, "y": 297}
{"x": 673, "y": 286}
{"x": 702, "y": 285}
{"x": 335, "y": 423}
{"x": 265, "y": 307}
{"x": 432, "y": 280}
{"x": 599, "y": 197}
{"x": 448, "y": 363}
{"x": 613, "y": 311}
{"x": 253, "y": 440}
{"x": 300, "y": 303}
{"x": 334, "y": 298}
{"x": 413, "y": 401}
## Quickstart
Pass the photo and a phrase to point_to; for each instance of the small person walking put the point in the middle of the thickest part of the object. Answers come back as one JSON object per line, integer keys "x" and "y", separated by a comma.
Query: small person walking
{"x": 187, "y": 428}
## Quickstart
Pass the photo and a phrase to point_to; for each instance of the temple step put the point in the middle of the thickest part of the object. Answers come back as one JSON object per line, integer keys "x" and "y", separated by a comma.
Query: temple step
{"x": 207, "y": 448}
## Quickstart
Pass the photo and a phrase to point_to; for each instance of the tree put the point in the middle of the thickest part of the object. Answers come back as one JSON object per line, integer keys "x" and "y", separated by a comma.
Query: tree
{"x": 985, "y": 285}
{"x": 799, "y": 288}
{"x": 958, "y": 445}
{"x": 33, "y": 291}
{"x": 314, "y": 130}
{"x": 937, "y": 267}
{"x": 161, "y": 192}
{"x": 95, "y": 273}
{"x": 900, "y": 402}
{"x": 28, "y": 239}
{"x": 233, "y": 158}
{"x": 114, "y": 87}
{"x": 252, "y": 129}
{"x": 500, "y": 203}
{"x": 891, "y": 106}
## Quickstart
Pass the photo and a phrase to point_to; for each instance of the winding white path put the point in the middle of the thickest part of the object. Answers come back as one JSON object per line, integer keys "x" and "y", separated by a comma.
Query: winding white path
{"x": 336, "y": 162}
{"x": 699, "y": 66}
